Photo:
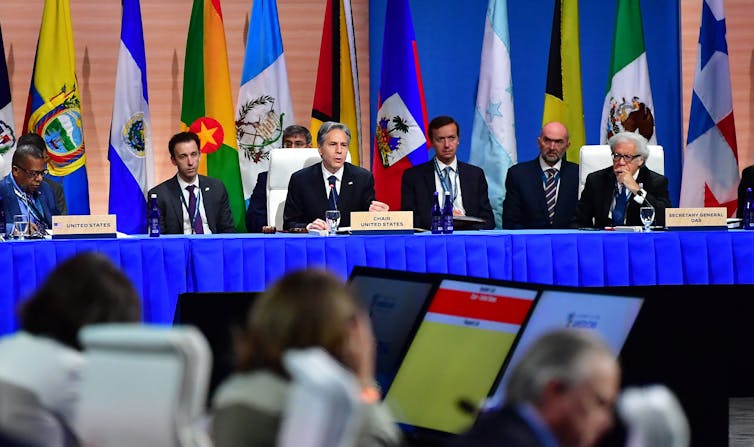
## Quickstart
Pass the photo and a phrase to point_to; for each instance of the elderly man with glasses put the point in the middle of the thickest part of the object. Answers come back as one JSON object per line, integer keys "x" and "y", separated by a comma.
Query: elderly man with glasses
{"x": 23, "y": 190}
{"x": 613, "y": 196}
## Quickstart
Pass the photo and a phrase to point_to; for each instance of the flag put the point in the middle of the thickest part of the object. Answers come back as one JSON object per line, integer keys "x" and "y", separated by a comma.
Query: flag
{"x": 7, "y": 126}
{"x": 710, "y": 167}
{"x": 264, "y": 106}
{"x": 400, "y": 134}
{"x": 207, "y": 105}
{"x": 628, "y": 103}
{"x": 53, "y": 110}
{"x": 130, "y": 151}
{"x": 336, "y": 96}
{"x": 563, "y": 101}
{"x": 493, "y": 137}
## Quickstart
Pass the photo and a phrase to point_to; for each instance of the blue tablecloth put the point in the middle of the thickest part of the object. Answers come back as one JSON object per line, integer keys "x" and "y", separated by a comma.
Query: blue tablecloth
{"x": 165, "y": 267}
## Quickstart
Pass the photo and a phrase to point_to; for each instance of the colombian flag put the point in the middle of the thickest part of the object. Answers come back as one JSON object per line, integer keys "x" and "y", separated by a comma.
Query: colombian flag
{"x": 207, "y": 105}
{"x": 53, "y": 110}
{"x": 336, "y": 97}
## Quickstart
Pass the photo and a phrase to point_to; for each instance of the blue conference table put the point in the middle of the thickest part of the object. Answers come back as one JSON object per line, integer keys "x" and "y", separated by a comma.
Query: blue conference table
{"x": 161, "y": 268}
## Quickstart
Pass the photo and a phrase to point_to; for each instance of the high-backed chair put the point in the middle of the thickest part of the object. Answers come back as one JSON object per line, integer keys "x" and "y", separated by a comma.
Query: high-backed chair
{"x": 594, "y": 158}
{"x": 283, "y": 163}
{"x": 143, "y": 385}
{"x": 323, "y": 408}
{"x": 24, "y": 420}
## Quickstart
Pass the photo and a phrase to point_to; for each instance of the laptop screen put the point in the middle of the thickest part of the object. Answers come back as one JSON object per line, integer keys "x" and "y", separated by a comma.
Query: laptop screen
{"x": 457, "y": 353}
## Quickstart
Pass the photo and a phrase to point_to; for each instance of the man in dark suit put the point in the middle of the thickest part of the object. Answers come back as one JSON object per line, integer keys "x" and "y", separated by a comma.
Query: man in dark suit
{"x": 613, "y": 196}
{"x": 747, "y": 181}
{"x": 191, "y": 203}
{"x": 466, "y": 183}
{"x": 561, "y": 393}
{"x": 333, "y": 182}
{"x": 23, "y": 190}
{"x": 542, "y": 193}
{"x": 57, "y": 188}
{"x": 294, "y": 136}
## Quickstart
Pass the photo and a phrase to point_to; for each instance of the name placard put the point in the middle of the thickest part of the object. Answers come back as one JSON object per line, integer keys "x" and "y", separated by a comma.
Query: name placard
{"x": 382, "y": 222}
{"x": 696, "y": 218}
{"x": 74, "y": 226}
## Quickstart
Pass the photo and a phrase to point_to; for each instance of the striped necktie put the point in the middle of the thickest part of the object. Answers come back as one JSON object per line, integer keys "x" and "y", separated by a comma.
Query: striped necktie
{"x": 551, "y": 187}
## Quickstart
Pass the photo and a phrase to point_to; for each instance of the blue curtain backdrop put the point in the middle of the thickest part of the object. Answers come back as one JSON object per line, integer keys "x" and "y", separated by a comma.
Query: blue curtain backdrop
{"x": 449, "y": 38}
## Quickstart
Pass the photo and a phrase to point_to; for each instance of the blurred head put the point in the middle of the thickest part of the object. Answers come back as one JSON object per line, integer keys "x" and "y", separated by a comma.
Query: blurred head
{"x": 653, "y": 417}
{"x": 629, "y": 151}
{"x": 297, "y": 136}
{"x": 185, "y": 154}
{"x": 303, "y": 309}
{"x": 29, "y": 162}
{"x": 553, "y": 142}
{"x": 333, "y": 140}
{"x": 85, "y": 289}
{"x": 444, "y": 135}
{"x": 572, "y": 378}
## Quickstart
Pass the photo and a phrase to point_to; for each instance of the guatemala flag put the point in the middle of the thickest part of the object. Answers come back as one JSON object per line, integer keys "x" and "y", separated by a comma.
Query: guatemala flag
{"x": 130, "y": 152}
{"x": 493, "y": 137}
{"x": 400, "y": 137}
{"x": 7, "y": 128}
{"x": 710, "y": 165}
{"x": 264, "y": 107}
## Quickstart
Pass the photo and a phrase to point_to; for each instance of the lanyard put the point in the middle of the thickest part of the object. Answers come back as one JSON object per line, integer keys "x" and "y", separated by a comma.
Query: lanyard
{"x": 441, "y": 176}
{"x": 192, "y": 219}
{"x": 31, "y": 207}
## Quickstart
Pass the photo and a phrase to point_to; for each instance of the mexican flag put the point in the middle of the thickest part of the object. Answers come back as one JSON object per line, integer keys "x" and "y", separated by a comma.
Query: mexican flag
{"x": 207, "y": 105}
{"x": 628, "y": 102}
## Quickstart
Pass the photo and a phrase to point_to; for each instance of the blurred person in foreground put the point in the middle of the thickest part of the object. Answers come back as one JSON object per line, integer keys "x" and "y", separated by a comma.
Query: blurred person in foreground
{"x": 561, "y": 393}
{"x": 45, "y": 356}
{"x": 304, "y": 309}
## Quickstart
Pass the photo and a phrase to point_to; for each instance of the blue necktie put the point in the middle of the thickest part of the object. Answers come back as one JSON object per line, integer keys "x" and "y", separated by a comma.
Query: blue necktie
{"x": 619, "y": 212}
{"x": 333, "y": 197}
{"x": 445, "y": 181}
{"x": 196, "y": 223}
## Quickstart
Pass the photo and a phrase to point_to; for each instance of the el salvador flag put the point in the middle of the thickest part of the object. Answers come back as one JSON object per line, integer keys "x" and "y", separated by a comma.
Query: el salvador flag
{"x": 264, "y": 107}
{"x": 130, "y": 152}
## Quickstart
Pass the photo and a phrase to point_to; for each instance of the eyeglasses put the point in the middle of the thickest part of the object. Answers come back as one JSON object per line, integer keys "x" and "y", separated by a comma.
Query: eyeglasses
{"x": 32, "y": 173}
{"x": 624, "y": 157}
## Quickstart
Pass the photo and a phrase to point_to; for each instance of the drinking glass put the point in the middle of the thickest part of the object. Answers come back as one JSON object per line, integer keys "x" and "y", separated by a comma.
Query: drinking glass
{"x": 332, "y": 217}
{"x": 20, "y": 226}
{"x": 647, "y": 216}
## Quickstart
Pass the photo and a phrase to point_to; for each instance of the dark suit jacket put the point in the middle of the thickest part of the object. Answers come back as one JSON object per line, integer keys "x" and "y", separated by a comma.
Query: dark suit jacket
{"x": 256, "y": 214}
{"x": 418, "y": 188}
{"x": 307, "y": 199}
{"x": 503, "y": 427}
{"x": 747, "y": 181}
{"x": 59, "y": 193}
{"x": 214, "y": 199}
{"x": 10, "y": 202}
{"x": 525, "y": 205}
{"x": 599, "y": 190}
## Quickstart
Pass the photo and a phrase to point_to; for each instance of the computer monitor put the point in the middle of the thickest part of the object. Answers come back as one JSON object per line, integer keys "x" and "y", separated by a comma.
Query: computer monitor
{"x": 457, "y": 353}
{"x": 611, "y": 316}
{"x": 395, "y": 301}
{"x": 216, "y": 315}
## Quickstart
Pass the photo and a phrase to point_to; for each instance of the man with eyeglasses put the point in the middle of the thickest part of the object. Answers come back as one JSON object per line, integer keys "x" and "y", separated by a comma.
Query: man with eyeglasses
{"x": 294, "y": 136}
{"x": 613, "y": 196}
{"x": 23, "y": 190}
{"x": 542, "y": 193}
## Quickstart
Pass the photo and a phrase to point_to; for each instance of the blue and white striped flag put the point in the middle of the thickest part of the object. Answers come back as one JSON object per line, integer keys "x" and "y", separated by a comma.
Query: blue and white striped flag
{"x": 130, "y": 153}
{"x": 7, "y": 128}
{"x": 493, "y": 137}
{"x": 264, "y": 102}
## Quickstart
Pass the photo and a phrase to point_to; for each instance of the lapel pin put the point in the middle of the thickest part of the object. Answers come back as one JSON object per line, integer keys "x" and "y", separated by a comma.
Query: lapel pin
{"x": 350, "y": 183}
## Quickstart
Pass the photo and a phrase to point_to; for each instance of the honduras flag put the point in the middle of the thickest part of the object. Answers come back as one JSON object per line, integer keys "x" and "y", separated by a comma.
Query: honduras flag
{"x": 7, "y": 128}
{"x": 130, "y": 152}
{"x": 264, "y": 107}
{"x": 493, "y": 137}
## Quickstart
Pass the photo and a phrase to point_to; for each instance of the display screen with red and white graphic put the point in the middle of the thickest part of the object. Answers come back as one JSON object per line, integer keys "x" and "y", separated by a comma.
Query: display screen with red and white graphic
{"x": 457, "y": 353}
